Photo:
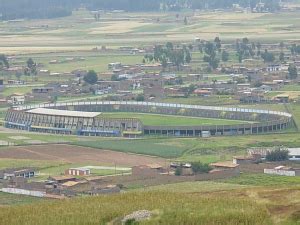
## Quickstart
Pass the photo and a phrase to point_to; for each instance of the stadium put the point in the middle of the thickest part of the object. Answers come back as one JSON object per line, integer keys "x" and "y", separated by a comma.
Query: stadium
{"x": 88, "y": 119}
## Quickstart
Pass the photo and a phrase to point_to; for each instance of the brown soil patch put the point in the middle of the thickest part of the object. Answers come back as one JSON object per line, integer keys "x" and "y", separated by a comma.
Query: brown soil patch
{"x": 76, "y": 154}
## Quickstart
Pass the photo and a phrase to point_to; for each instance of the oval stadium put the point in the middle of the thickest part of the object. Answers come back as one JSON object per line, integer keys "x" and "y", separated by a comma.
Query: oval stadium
{"x": 94, "y": 118}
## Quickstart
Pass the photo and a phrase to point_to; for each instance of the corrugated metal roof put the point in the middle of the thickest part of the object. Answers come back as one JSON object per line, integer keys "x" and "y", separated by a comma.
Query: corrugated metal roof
{"x": 57, "y": 112}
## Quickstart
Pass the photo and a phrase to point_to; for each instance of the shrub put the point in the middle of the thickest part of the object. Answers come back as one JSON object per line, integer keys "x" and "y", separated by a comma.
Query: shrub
{"x": 199, "y": 167}
{"x": 178, "y": 171}
{"x": 277, "y": 155}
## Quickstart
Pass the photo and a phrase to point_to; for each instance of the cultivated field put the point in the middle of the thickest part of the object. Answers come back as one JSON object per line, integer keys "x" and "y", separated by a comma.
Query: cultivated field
{"x": 81, "y": 32}
{"x": 75, "y": 154}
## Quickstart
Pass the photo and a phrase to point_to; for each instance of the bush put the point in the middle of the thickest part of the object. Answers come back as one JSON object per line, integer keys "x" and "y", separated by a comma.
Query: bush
{"x": 91, "y": 77}
{"x": 277, "y": 155}
{"x": 178, "y": 171}
{"x": 140, "y": 98}
{"x": 199, "y": 167}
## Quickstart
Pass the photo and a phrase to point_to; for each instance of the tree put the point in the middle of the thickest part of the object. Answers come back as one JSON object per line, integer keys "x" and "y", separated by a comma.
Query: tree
{"x": 225, "y": 56}
{"x": 30, "y": 70}
{"x": 293, "y": 72}
{"x": 91, "y": 77}
{"x": 178, "y": 171}
{"x": 277, "y": 155}
{"x": 19, "y": 75}
{"x": 3, "y": 61}
{"x": 199, "y": 167}
{"x": 210, "y": 57}
{"x": 281, "y": 45}
{"x": 97, "y": 16}
{"x": 268, "y": 56}
{"x": 281, "y": 57}
{"x": 140, "y": 98}
{"x": 218, "y": 43}
{"x": 167, "y": 54}
{"x": 185, "y": 21}
{"x": 188, "y": 57}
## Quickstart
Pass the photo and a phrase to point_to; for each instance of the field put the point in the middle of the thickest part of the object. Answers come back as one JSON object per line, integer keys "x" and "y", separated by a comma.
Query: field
{"x": 80, "y": 31}
{"x": 191, "y": 149}
{"x": 11, "y": 199}
{"x": 165, "y": 120}
{"x": 243, "y": 206}
{"x": 74, "y": 154}
{"x": 264, "y": 180}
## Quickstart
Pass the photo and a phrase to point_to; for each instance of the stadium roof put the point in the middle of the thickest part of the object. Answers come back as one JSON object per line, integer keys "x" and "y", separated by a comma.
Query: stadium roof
{"x": 57, "y": 112}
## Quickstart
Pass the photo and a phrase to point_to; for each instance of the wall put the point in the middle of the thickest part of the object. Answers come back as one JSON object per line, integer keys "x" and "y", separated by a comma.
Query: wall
{"x": 23, "y": 192}
{"x": 280, "y": 172}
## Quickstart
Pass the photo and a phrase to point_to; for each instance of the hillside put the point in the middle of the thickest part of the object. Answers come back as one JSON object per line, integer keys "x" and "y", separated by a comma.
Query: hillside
{"x": 243, "y": 206}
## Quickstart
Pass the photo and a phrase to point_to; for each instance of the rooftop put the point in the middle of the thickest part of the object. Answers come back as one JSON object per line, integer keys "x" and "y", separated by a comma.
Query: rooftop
{"x": 57, "y": 112}
{"x": 225, "y": 164}
{"x": 294, "y": 151}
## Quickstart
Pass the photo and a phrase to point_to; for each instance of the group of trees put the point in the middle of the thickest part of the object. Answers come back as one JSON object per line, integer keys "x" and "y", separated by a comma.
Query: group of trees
{"x": 14, "y": 9}
{"x": 213, "y": 53}
{"x": 246, "y": 49}
{"x": 168, "y": 54}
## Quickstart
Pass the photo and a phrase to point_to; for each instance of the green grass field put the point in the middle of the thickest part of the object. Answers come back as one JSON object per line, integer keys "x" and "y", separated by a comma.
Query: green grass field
{"x": 169, "y": 120}
{"x": 168, "y": 148}
{"x": 264, "y": 180}
{"x": 194, "y": 149}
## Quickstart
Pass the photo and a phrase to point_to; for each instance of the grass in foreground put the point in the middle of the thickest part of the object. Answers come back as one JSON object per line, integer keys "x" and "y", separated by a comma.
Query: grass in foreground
{"x": 11, "y": 199}
{"x": 170, "y": 208}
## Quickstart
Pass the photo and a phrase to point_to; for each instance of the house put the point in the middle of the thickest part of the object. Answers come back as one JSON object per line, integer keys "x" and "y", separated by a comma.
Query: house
{"x": 110, "y": 189}
{"x": 242, "y": 160}
{"x": 61, "y": 179}
{"x": 294, "y": 154}
{"x": 202, "y": 92}
{"x": 114, "y": 66}
{"x": 283, "y": 171}
{"x": 156, "y": 92}
{"x": 78, "y": 172}
{"x": 283, "y": 98}
{"x": 16, "y": 99}
{"x": 17, "y": 173}
{"x": 16, "y": 82}
{"x": 265, "y": 88}
{"x": 44, "y": 73}
{"x": 226, "y": 166}
{"x": 147, "y": 170}
{"x": 273, "y": 68}
{"x": 176, "y": 92}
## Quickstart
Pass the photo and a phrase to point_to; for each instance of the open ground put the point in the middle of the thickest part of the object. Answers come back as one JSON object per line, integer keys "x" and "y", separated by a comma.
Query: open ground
{"x": 75, "y": 154}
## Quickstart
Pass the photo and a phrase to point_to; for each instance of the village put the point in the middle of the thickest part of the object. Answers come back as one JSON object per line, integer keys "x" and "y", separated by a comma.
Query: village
{"x": 244, "y": 82}
{"x": 84, "y": 180}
